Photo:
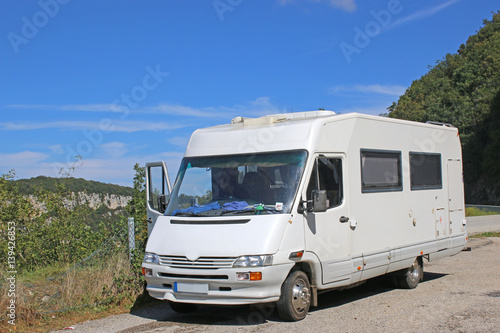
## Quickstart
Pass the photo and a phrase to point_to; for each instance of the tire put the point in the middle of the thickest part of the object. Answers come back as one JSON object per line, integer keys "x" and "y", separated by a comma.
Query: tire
{"x": 410, "y": 277}
{"x": 295, "y": 299}
{"x": 182, "y": 307}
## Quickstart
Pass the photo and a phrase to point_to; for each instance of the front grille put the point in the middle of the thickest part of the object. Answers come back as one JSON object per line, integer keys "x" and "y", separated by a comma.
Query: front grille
{"x": 200, "y": 263}
{"x": 190, "y": 276}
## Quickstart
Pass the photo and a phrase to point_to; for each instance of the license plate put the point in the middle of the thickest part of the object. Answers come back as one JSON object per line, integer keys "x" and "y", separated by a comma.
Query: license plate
{"x": 196, "y": 288}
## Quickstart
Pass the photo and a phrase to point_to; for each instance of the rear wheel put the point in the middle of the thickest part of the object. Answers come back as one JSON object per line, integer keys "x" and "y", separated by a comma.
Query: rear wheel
{"x": 182, "y": 307}
{"x": 410, "y": 277}
{"x": 295, "y": 299}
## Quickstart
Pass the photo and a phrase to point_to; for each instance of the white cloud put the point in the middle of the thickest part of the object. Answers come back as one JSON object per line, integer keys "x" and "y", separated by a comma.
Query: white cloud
{"x": 113, "y": 149}
{"x": 373, "y": 110}
{"x": 20, "y": 161}
{"x": 259, "y": 106}
{"x": 135, "y": 126}
{"x": 180, "y": 141}
{"x": 106, "y": 125}
{"x": 393, "y": 90}
{"x": 102, "y": 107}
{"x": 57, "y": 149}
{"x": 116, "y": 170}
{"x": 422, "y": 14}
{"x": 109, "y": 169}
{"x": 22, "y": 158}
{"x": 94, "y": 107}
{"x": 28, "y": 106}
{"x": 347, "y": 5}
{"x": 179, "y": 110}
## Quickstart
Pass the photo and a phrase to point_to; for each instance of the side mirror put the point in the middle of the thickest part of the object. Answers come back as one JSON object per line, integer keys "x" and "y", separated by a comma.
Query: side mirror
{"x": 162, "y": 203}
{"x": 319, "y": 201}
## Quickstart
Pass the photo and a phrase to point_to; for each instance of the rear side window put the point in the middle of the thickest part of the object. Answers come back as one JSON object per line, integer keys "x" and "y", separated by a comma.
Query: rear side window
{"x": 380, "y": 171}
{"x": 425, "y": 171}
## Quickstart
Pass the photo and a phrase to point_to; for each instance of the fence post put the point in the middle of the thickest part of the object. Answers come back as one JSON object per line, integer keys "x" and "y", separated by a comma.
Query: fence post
{"x": 131, "y": 237}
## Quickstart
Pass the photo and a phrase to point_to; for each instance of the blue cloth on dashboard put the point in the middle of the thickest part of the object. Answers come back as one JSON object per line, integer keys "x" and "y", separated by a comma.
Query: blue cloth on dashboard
{"x": 196, "y": 209}
{"x": 235, "y": 205}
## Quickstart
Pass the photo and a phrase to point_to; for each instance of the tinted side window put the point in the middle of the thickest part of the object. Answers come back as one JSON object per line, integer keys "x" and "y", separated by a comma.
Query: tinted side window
{"x": 425, "y": 171}
{"x": 327, "y": 175}
{"x": 380, "y": 171}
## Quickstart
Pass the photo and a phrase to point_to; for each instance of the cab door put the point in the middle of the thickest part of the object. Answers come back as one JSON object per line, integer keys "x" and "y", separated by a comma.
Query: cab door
{"x": 158, "y": 191}
{"x": 328, "y": 233}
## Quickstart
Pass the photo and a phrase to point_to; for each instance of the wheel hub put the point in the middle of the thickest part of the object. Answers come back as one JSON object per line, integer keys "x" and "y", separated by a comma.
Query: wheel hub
{"x": 301, "y": 295}
{"x": 414, "y": 273}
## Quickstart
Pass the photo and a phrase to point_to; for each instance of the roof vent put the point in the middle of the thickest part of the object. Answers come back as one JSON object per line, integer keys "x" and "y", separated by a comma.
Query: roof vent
{"x": 276, "y": 118}
{"x": 439, "y": 123}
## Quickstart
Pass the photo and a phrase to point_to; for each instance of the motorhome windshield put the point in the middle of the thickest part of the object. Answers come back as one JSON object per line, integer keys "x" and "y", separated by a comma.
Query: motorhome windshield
{"x": 263, "y": 183}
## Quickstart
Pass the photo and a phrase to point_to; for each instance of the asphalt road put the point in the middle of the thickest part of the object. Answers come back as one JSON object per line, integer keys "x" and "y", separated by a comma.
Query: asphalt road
{"x": 458, "y": 294}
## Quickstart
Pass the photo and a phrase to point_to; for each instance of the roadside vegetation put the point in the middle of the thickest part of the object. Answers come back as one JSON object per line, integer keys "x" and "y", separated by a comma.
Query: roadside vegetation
{"x": 474, "y": 211}
{"x": 69, "y": 263}
{"x": 486, "y": 234}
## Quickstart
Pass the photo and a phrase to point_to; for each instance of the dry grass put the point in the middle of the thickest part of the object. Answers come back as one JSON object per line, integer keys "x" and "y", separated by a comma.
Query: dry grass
{"x": 40, "y": 299}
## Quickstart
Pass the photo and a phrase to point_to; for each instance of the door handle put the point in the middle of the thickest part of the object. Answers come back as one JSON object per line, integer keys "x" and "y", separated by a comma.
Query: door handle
{"x": 343, "y": 219}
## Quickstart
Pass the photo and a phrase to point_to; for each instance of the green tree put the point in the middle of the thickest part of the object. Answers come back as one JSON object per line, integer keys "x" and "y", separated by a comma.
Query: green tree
{"x": 463, "y": 89}
{"x": 136, "y": 208}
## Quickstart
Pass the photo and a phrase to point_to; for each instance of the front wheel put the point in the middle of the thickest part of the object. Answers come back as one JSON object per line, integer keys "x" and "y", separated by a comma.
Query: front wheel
{"x": 295, "y": 299}
{"x": 410, "y": 277}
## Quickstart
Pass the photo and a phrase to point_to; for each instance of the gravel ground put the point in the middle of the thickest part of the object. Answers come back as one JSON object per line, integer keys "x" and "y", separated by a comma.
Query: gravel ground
{"x": 458, "y": 294}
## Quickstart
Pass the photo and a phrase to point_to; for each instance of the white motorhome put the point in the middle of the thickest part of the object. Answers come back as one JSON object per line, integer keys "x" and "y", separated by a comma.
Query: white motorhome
{"x": 282, "y": 207}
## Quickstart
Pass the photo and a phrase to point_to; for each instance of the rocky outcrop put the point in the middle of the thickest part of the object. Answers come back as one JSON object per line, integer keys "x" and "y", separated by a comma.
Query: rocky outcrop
{"x": 94, "y": 200}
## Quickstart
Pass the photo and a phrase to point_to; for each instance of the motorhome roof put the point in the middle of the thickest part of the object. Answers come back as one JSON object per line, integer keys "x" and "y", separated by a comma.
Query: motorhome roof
{"x": 276, "y": 118}
{"x": 277, "y": 132}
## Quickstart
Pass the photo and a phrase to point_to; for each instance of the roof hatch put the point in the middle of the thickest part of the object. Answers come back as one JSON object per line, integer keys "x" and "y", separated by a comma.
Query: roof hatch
{"x": 276, "y": 118}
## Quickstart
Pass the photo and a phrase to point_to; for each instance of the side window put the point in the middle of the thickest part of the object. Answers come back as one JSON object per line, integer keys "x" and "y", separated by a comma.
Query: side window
{"x": 425, "y": 171}
{"x": 327, "y": 175}
{"x": 380, "y": 171}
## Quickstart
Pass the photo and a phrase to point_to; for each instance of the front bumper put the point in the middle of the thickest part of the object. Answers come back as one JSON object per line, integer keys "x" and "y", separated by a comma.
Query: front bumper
{"x": 215, "y": 286}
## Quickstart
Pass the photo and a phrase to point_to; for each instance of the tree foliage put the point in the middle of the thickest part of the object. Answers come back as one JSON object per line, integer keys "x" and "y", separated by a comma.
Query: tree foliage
{"x": 48, "y": 233}
{"x": 464, "y": 89}
{"x": 136, "y": 207}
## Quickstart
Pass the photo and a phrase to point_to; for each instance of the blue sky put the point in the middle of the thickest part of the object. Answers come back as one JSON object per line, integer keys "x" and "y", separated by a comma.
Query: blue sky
{"x": 125, "y": 82}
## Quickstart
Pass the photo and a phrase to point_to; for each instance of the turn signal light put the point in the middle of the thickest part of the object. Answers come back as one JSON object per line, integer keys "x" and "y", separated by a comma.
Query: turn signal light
{"x": 249, "y": 276}
{"x": 296, "y": 255}
{"x": 147, "y": 271}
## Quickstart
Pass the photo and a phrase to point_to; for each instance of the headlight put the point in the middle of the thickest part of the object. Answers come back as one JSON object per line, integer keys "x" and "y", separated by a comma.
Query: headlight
{"x": 151, "y": 258}
{"x": 253, "y": 261}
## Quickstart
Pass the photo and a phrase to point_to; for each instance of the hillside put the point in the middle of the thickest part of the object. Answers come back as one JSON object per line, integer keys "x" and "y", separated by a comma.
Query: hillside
{"x": 28, "y": 186}
{"x": 464, "y": 89}
{"x": 88, "y": 191}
